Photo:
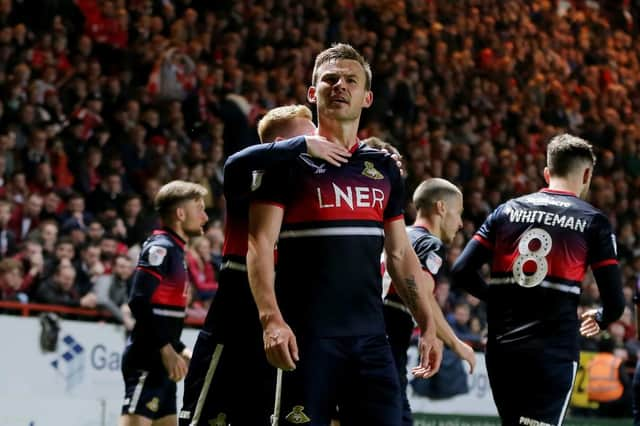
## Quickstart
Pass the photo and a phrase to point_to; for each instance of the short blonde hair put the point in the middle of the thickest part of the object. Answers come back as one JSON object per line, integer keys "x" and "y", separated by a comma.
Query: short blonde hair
{"x": 175, "y": 192}
{"x": 271, "y": 125}
{"x": 433, "y": 190}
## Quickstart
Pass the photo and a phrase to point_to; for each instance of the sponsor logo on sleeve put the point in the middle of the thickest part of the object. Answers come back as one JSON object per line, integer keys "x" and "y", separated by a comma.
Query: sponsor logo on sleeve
{"x": 433, "y": 263}
{"x": 157, "y": 255}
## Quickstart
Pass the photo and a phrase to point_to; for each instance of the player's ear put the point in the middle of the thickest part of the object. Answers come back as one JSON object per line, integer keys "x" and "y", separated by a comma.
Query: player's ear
{"x": 311, "y": 95}
{"x": 441, "y": 207}
{"x": 368, "y": 99}
{"x": 180, "y": 213}
{"x": 547, "y": 175}
{"x": 586, "y": 177}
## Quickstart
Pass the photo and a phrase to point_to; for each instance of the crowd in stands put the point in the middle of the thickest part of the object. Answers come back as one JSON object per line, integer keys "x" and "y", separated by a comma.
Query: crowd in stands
{"x": 105, "y": 100}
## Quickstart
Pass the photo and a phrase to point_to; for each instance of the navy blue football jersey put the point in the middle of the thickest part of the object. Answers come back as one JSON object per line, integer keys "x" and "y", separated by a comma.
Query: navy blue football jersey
{"x": 158, "y": 298}
{"x": 328, "y": 279}
{"x": 430, "y": 251}
{"x": 542, "y": 245}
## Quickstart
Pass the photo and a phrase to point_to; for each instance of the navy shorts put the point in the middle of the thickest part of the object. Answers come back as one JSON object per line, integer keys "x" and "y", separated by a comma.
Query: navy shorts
{"x": 234, "y": 383}
{"x": 357, "y": 374}
{"x": 229, "y": 370}
{"x": 399, "y": 325}
{"x": 150, "y": 394}
{"x": 530, "y": 387}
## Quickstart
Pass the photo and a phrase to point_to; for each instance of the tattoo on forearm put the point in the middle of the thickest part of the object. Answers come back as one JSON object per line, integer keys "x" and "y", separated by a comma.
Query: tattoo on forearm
{"x": 412, "y": 293}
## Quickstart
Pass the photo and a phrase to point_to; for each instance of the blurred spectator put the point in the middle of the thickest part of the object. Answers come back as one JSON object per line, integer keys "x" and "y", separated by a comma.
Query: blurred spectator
{"x": 201, "y": 273}
{"x": 88, "y": 267}
{"x": 460, "y": 323}
{"x": 11, "y": 281}
{"x": 60, "y": 290}
{"x": 112, "y": 291}
{"x": 7, "y": 237}
{"x": 609, "y": 384}
{"x": 26, "y": 217}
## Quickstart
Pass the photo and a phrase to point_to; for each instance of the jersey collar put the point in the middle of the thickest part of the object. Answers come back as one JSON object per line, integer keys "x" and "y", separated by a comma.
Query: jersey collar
{"x": 557, "y": 191}
{"x": 170, "y": 232}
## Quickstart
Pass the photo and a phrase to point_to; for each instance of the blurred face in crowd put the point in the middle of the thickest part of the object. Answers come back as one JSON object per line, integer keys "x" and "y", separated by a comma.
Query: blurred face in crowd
{"x": 76, "y": 205}
{"x": 96, "y": 230}
{"x": 52, "y": 202}
{"x": 108, "y": 248}
{"x": 5, "y": 214}
{"x": 91, "y": 255}
{"x": 49, "y": 232}
{"x": 461, "y": 314}
{"x": 65, "y": 277}
{"x": 33, "y": 207}
{"x": 340, "y": 91}
{"x": 122, "y": 268}
{"x": 13, "y": 278}
{"x": 65, "y": 250}
{"x": 203, "y": 247}
{"x": 132, "y": 207}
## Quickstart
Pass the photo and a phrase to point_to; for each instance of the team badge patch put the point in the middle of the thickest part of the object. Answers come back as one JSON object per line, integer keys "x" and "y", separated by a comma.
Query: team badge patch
{"x": 154, "y": 404}
{"x": 220, "y": 420}
{"x": 371, "y": 172}
{"x": 434, "y": 262}
{"x": 297, "y": 417}
{"x": 157, "y": 255}
{"x": 256, "y": 179}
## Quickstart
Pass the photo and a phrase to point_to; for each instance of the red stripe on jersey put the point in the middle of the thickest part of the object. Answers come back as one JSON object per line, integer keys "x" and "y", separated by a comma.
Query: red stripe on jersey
{"x": 235, "y": 237}
{"x": 557, "y": 191}
{"x": 269, "y": 203}
{"x": 571, "y": 269}
{"x": 150, "y": 272}
{"x": 483, "y": 241}
{"x": 169, "y": 293}
{"x": 602, "y": 263}
{"x": 393, "y": 219}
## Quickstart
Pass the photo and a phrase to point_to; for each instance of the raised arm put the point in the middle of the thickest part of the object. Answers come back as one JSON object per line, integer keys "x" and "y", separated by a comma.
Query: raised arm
{"x": 413, "y": 288}
{"x": 238, "y": 168}
{"x": 279, "y": 341}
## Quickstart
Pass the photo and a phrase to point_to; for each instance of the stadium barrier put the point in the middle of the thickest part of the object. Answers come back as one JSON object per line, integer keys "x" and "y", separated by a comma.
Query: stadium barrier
{"x": 79, "y": 383}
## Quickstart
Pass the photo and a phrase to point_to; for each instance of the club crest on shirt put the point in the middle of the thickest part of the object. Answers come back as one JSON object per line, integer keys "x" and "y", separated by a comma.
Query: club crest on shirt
{"x": 256, "y": 179}
{"x": 433, "y": 263}
{"x": 297, "y": 417}
{"x": 156, "y": 255}
{"x": 154, "y": 404}
{"x": 371, "y": 172}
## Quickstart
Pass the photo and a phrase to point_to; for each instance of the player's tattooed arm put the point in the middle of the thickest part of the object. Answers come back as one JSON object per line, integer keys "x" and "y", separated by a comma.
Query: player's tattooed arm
{"x": 411, "y": 296}
{"x": 405, "y": 270}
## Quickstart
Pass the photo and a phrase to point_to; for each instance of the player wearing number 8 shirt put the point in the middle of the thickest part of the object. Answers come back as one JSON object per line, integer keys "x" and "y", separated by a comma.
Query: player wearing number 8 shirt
{"x": 539, "y": 247}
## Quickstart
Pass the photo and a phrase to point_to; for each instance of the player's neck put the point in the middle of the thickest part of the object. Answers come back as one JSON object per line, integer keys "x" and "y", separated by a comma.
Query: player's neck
{"x": 565, "y": 185}
{"x": 344, "y": 133}
{"x": 177, "y": 229}
{"x": 431, "y": 224}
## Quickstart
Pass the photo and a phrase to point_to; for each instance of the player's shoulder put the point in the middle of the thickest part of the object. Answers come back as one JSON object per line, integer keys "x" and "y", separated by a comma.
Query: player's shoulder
{"x": 366, "y": 152}
{"x": 157, "y": 248}
{"x": 423, "y": 240}
{"x": 374, "y": 160}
